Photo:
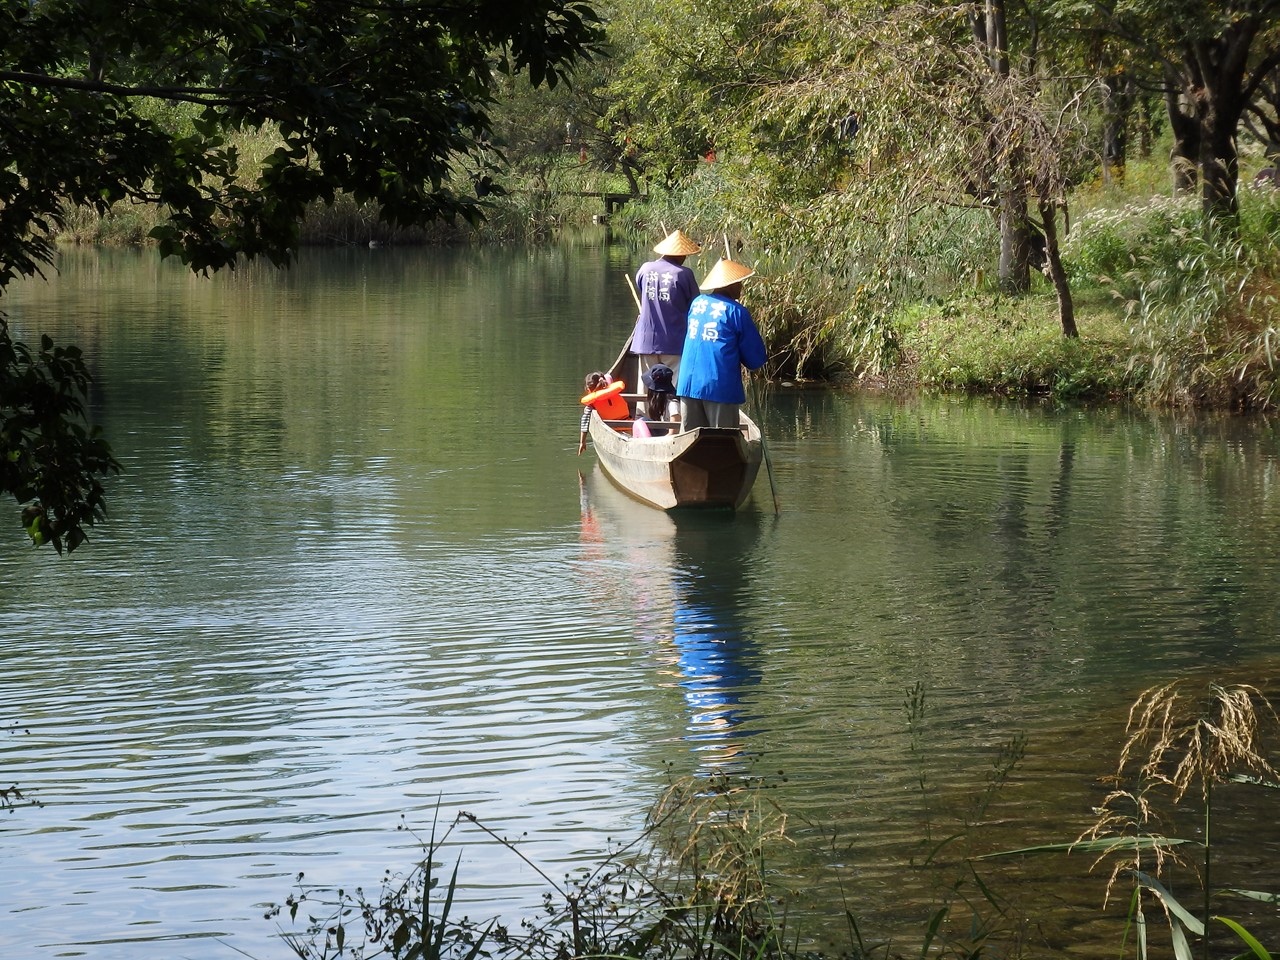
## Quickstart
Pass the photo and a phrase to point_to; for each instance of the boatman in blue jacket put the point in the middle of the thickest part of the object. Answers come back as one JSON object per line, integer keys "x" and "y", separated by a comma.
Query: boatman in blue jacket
{"x": 721, "y": 339}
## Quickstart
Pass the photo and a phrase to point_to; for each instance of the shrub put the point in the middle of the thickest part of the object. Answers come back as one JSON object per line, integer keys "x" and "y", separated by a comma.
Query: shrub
{"x": 1105, "y": 245}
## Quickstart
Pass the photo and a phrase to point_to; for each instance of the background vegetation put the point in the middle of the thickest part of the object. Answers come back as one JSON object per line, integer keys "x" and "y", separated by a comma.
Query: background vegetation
{"x": 932, "y": 194}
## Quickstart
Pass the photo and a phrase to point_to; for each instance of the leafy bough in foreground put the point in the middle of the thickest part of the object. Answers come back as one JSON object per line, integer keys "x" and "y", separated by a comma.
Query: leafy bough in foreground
{"x": 50, "y": 460}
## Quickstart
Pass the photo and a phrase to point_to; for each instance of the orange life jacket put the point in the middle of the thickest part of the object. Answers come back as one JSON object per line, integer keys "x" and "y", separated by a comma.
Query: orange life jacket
{"x": 608, "y": 401}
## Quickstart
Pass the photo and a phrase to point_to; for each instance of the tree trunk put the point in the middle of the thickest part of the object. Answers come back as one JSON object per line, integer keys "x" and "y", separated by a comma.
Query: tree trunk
{"x": 1057, "y": 275}
{"x": 1221, "y": 65}
{"x": 1219, "y": 163}
{"x": 1015, "y": 241}
{"x": 1146, "y": 124}
{"x": 630, "y": 168}
{"x": 1184, "y": 157}
{"x": 1015, "y": 238}
{"x": 1262, "y": 117}
{"x": 997, "y": 38}
{"x": 1117, "y": 103}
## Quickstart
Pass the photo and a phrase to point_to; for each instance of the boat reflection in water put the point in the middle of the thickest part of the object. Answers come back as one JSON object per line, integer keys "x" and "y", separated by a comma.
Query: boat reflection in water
{"x": 688, "y": 575}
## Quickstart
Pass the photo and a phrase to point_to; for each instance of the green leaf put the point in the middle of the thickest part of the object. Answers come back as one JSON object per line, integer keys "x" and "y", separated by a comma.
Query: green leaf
{"x": 1100, "y": 845}
{"x": 1260, "y": 895}
{"x": 1181, "y": 948}
{"x": 934, "y": 923}
{"x": 1193, "y": 923}
{"x": 1256, "y": 781}
{"x": 1258, "y": 949}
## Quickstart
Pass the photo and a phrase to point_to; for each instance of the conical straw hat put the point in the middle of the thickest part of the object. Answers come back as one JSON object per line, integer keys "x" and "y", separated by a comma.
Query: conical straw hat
{"x": 677, "y": 245}
{"x": 725, "y": 273}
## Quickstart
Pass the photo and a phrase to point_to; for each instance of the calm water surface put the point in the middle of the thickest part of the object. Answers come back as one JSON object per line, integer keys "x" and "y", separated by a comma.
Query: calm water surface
{"x": 355, "y": 574}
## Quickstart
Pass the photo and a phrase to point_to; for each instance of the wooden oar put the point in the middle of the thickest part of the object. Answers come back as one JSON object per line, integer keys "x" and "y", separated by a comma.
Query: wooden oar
{"x": 626, "y": 347}
{"x": 632, "y": 287}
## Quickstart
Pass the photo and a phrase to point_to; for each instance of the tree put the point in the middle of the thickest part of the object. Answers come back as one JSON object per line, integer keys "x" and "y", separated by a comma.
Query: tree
{"x": 680, "y": 79}
{"x": 1220, "y": 76}
{"x": 386, "y": 100}
{"x": 47, "y": 456}
{"x": 991, "y": 32}
{"x": 1262, "y": 117}
{"x": 1214, "y": 56}
{"x": 945, "y": 116}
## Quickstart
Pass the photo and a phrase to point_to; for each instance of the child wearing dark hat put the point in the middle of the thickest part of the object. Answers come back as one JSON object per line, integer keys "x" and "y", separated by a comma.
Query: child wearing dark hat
{"x": 660, "y": 402}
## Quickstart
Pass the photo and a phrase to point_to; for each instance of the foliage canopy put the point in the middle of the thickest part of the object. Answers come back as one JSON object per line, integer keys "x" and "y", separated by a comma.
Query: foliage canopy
{"x": 104, "y": 101}
{"x": 381, "y": 99}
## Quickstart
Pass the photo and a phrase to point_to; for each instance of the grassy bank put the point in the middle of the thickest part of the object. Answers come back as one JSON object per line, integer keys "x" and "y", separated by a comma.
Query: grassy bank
{"x": 1172, "y": 311}
{"x": 983, "y": 342}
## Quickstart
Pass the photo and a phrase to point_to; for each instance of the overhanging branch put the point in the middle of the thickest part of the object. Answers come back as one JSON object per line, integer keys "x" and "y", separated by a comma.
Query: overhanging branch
{"x": 206, "y": 96}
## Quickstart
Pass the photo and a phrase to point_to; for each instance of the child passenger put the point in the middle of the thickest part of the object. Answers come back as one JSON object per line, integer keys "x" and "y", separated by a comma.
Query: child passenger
{"x": 605, "y": 397}
{"x": 660, "y": 403}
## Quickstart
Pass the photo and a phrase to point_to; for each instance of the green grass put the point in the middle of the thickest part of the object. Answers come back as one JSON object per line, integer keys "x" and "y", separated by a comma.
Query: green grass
{"x": 989, "y": 343}
{"x": 1172, "y": 311}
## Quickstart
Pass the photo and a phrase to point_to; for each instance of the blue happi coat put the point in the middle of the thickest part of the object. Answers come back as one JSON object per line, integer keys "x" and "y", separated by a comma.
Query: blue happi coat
{"x": 721, "y": 339}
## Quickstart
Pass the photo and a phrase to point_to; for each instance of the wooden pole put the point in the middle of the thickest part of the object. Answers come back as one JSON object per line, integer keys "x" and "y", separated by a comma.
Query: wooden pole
{"x": 764, "y": 447}
{"x": 616, "y": 369}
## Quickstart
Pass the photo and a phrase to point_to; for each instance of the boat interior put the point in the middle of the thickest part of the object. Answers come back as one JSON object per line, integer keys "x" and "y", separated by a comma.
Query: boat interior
{"x": 628, "y": 368}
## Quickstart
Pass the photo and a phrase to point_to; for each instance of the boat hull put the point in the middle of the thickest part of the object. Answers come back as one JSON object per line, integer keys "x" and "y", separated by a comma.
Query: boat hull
{"x": 704, "y": 468}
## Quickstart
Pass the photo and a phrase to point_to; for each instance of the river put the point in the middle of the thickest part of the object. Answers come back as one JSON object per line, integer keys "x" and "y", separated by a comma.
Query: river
{"x": 355, "y": 578}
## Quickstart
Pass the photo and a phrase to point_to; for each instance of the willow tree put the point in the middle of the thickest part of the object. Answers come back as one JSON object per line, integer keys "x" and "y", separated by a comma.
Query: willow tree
{"x": 385, "y": 100}
{"x": 844, "y": 130}
{"x": 956, "y": 118}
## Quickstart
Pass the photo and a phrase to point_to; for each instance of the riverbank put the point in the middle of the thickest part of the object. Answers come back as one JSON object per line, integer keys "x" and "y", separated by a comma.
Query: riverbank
{"x": 981, "y": 342}
{"x": 529, "y": 207}
{"x": 1170, "y": 312}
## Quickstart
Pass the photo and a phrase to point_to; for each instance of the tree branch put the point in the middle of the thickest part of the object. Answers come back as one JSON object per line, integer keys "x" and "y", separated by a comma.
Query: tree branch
{"x": 206, "y": 96}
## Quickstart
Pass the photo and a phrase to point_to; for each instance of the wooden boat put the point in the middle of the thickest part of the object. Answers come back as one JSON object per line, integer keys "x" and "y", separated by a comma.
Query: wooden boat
{"x": 700, "y": 468}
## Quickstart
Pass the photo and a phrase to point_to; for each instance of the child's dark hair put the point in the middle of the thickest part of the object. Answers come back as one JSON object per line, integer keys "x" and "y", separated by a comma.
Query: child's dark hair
{"x": 596, "y": 381}
{"x": 656, "y": 404}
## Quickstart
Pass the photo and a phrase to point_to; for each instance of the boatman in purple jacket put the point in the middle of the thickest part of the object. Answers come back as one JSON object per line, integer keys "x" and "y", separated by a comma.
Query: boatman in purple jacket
{"x": 720, "y": 340}
{"x": 666, "y": 287}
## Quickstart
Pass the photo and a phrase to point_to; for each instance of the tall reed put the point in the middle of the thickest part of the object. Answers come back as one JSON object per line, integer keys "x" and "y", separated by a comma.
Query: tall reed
{"x": 1202, "y": 298}
{"x": 1179, "y": 744}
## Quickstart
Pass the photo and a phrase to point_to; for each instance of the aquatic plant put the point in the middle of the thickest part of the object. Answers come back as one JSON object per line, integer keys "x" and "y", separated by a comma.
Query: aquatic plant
{"x": 694, "y": 885}
{"x": 1178, "y": 745}
{"x": 1181, "y": 742}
